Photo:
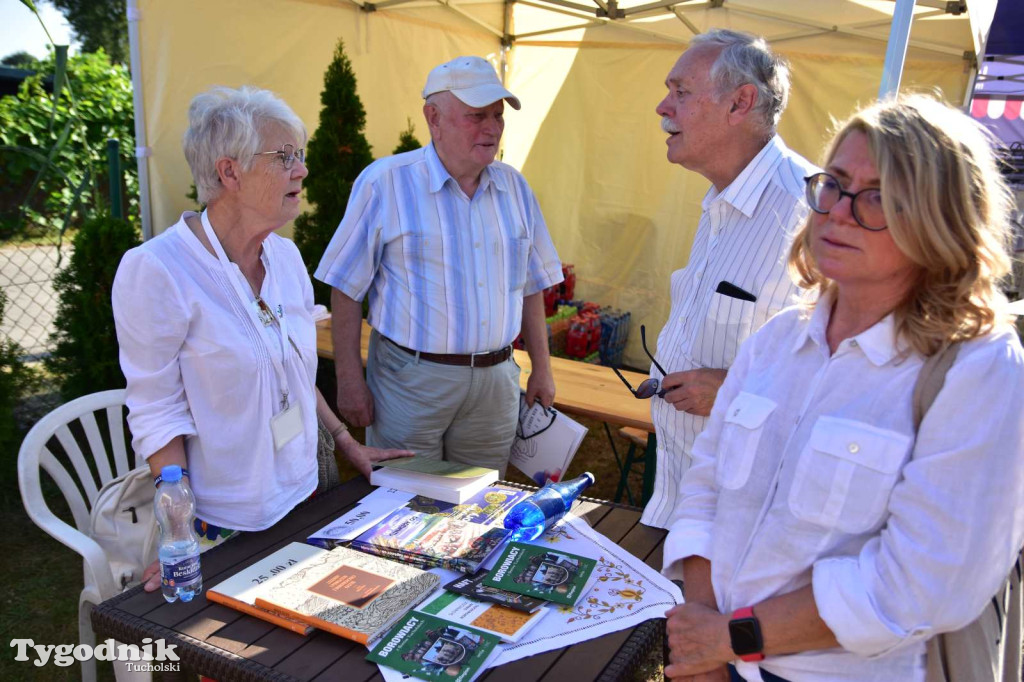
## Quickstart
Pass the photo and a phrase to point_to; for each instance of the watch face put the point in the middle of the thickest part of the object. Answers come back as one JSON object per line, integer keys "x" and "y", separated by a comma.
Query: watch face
{"x": 745, "y": 634}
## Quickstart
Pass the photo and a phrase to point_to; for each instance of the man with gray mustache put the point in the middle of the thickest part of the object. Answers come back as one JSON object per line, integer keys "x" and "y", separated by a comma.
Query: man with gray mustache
{"x": 726, "y": 94}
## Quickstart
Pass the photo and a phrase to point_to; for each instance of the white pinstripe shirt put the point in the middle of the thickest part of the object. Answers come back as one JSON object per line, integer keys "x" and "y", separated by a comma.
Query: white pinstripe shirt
{"x": 445, "y": 273}
{"x": 743, "y": 238}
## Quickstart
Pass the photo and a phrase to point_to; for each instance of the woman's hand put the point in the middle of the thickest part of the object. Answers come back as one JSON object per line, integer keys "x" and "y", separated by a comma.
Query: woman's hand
{"x": 363, "y": 457}
{"x": 698, "y": 641}
{"x": 151, "y": 577}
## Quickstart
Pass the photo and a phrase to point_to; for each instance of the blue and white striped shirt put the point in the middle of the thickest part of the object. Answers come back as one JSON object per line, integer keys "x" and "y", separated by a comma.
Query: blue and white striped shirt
{"x": 743, "y": 238}
{"x": 445, "y": 273}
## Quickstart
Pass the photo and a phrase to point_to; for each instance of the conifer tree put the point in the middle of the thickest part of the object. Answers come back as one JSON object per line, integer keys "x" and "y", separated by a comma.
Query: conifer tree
{"x": 85, "y": 354}
{"x": 335, "y": 155}
{"x": 407, "y": 139}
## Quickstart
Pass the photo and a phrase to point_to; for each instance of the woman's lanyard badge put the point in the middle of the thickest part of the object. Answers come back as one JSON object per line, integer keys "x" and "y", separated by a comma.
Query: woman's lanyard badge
{"x": 287, "y": 423}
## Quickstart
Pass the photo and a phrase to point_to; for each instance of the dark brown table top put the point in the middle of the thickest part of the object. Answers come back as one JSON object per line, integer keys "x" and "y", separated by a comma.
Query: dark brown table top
{"x": 225, "y": 644}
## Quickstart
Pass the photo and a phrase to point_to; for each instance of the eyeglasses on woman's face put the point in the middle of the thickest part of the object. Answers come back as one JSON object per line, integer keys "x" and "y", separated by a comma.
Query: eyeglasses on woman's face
{"x": 648, "y": 388}
{"x": 824, "y": 192}
{"x": 288, "y": 155}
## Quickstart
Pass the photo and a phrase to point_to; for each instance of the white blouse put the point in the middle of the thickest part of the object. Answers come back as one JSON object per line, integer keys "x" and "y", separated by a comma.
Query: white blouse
{"x": 810, "y": 473}
{"x": 196, "y": 366}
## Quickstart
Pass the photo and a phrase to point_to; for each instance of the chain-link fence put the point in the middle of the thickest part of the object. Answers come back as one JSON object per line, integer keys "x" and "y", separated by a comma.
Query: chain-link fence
{"x": 27, "y": 270}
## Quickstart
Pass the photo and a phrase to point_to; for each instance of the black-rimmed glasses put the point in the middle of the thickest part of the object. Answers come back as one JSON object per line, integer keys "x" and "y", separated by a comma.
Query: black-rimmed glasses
{"x": 648, "y": 388}
{"x": 824, "y": 192}
{"x": 288, "y": 154}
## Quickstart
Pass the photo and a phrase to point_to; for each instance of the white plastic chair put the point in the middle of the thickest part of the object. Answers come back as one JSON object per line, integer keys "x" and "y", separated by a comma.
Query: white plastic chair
{"x": 34, "y": 454}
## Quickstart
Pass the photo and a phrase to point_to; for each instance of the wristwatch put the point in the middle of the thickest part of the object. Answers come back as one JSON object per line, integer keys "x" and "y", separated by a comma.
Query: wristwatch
{"x": 745, "y": 634}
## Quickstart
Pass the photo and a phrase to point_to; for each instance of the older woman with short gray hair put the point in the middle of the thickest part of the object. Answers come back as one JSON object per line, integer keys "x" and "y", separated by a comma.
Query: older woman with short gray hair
{"x": 215, "y": 326}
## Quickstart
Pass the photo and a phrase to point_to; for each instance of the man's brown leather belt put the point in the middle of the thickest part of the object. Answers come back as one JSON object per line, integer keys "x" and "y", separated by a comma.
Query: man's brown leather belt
{"x": 472, "y": 360}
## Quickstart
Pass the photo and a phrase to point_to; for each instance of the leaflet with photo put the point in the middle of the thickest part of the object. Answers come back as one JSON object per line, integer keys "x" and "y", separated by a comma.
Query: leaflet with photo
{"x": 542, "y": 572}
{"x": 431, "y": 648}
{"x": 545, "y": 443}
{"x": 508, "y": 624}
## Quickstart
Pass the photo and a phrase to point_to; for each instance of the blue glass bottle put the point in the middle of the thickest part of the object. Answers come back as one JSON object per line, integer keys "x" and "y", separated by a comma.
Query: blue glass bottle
{"x": 538, "y": 512}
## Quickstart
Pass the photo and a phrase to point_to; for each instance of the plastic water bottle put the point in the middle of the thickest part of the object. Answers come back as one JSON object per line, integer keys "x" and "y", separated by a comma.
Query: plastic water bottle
{"x": 540, "y": 511}
{"x": 175, "y": 508}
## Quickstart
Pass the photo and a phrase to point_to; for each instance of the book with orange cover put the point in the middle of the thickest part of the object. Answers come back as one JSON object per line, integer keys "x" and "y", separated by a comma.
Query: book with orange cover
{"x": 348, "y": 593}
{"x": 240, "y": 590}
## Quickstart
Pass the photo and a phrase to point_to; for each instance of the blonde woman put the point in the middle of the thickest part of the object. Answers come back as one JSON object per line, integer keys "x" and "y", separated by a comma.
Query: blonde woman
{"x": 821, "y": 535}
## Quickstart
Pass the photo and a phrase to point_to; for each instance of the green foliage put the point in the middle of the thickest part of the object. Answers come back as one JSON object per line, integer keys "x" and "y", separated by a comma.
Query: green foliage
{"x": 335, "y": 155}
{"x": 407, "y": 139}
{"x": 16, "y": 379}
{"x": 85, "y": 355}
{"x": 68, "y": 144}
{"x": 98, "y": 25}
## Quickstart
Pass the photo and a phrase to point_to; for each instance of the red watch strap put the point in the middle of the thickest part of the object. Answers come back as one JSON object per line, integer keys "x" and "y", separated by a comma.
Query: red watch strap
{"x": 748, "y": 612}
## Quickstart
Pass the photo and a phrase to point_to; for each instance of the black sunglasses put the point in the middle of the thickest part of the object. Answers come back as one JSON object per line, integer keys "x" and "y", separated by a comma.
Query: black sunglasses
{"x": 648, "y": 388}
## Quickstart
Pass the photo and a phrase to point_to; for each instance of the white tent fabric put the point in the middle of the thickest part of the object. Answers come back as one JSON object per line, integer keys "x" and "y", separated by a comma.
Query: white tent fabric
{"x": 587, "y": 138}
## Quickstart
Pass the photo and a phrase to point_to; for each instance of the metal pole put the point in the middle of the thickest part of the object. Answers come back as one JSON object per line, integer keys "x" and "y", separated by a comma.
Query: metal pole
{"x": 114, "y": 173}
{"x": 141, "y": 149}
{"x": 896, "y": 50}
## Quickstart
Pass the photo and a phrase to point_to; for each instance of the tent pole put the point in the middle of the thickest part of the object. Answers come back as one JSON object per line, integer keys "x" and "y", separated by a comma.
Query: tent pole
{"x": 896, "y": 49}
{"x": 142, "y": 151}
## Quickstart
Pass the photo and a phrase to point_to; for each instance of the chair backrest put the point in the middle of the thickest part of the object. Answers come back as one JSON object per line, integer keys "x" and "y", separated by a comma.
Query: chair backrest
{"x": 78, "y": 415}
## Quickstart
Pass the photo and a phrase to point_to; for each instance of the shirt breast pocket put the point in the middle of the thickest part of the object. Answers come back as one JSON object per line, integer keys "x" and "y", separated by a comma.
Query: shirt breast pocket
{"x": 518, "y": 263}
{"x": 741, "y": 434}
{"x": 424, "y": 258}
{"x": 846, "y": 473}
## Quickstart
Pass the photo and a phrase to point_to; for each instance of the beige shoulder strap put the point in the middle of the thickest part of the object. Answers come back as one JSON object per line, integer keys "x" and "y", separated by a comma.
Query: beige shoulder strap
{"x": 931, "y": 380}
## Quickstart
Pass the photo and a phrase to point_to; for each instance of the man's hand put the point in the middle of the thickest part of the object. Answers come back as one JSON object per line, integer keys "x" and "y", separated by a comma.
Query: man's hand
{"x": 698, "y": 641}
{"x": 693, "y": 391}
{"x": 355, "y": 402}
{"x": 363, "y": 457}
{"x": 540, "y": 385}
{"x": 151, "y": 577}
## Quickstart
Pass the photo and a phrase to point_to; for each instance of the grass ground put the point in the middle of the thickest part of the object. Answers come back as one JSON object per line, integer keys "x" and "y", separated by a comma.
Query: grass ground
{"x": 42, "y": 579}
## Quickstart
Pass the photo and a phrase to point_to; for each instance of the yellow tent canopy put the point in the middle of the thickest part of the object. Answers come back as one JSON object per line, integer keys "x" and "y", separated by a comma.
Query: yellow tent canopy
{"x": 589, "y": 74}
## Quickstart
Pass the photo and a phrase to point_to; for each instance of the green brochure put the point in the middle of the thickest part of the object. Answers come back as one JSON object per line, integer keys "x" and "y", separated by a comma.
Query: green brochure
{"x": 430, "y": 648}
{"x": 538, "y": 571}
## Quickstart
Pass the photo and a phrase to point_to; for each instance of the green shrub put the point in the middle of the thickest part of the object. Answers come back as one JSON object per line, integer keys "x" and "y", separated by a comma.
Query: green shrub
{"x": 16, "y": 379}
{"x": 85, "y": 352}
{"x": 407, "y": 141}
{"x": 74, "y": 138}
{"x": 336, "y": 154}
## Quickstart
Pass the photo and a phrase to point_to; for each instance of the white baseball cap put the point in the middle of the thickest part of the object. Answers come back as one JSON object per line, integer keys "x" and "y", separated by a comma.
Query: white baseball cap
{"x": 471, "y": 79}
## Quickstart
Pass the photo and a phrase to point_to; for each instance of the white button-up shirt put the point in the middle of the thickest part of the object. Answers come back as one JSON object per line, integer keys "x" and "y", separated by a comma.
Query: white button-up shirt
{"x": 810, "y": 473}
{"x": 196, "y": 366}
{"x": 445, "y": 273}
{"x": 743, "y": 238}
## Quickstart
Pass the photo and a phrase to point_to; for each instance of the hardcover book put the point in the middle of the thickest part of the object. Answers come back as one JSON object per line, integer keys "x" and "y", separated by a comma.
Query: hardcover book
{"x": 448, "y": 481}
{"x": 508, "y": 624}
{"x": 537, "y": 571}
{"x": 240, "y": 590}
{"x": 432, "y": 533}
{"x": 473, "y": 586}
{"x": 348, "y": 593}
{"x": 430, "y": 648}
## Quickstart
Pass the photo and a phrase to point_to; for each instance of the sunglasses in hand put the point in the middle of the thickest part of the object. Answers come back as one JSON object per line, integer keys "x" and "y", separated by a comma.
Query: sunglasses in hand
{"x": 648, "y": 388}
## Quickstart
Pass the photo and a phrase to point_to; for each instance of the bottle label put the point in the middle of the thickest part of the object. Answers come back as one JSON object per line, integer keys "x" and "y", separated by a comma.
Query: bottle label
{"x": 552, "y": 506}
{"x": 183, "y": 572}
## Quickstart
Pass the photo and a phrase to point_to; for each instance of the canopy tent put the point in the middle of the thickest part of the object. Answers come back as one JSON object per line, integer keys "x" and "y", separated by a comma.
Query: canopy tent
{"x": 589, "y": 73}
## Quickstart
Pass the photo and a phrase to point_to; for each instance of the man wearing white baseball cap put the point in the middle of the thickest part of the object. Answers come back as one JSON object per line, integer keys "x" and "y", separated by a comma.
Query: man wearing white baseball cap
{"x": 452, "y": 249}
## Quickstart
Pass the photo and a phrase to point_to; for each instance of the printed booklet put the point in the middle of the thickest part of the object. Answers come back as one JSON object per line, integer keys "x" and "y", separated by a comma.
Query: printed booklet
{"x": 347, "y": 593}
{"x": 538, "y": 571}
{"x": 545, "y": 443}
{"x": 448, "y": 481}
{"x": 430, "y": 648}
{"x": 508, "y": 624}
{"x": 430, "y": 533}
{"x": 473, "y": 586}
